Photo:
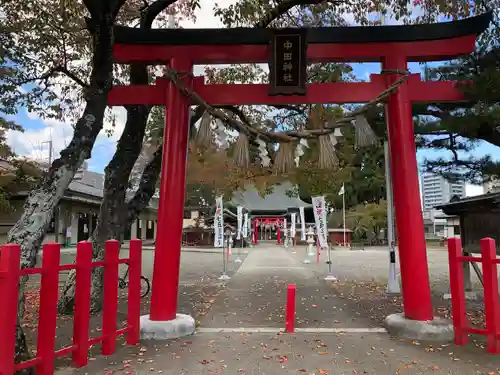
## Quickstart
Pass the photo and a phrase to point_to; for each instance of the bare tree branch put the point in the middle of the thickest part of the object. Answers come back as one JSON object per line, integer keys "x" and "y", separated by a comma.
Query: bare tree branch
{"x": 152, "y": 11}
{"x": 285, "y": 6}
{"x": 50, "y": 73}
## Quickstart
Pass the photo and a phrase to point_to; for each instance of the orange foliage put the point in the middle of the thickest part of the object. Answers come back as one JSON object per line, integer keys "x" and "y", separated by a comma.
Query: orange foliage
{"x": 216, "y": 169}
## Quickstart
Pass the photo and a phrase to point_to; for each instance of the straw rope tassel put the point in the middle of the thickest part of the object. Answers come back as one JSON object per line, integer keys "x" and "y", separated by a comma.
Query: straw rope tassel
{"x": 327, "y": 157}
{"x": 284, "y": 161}
{"x": 365, "y": 136}
{"x": 241, "y": 151}
{"x": 203, "y": 137}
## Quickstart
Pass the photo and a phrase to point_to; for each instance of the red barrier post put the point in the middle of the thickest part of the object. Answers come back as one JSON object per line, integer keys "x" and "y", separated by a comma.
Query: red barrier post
{"x": 457, "y": 290}
{"x": 10, "y": 255}
{"x": 491, "y": 309}
{"x": 110, "y": 306}
{"x": 81, "y": 319}
{"x": 134, "y": 292}
{"x": 47, "y": 320}
{"x": 290, "y": 309}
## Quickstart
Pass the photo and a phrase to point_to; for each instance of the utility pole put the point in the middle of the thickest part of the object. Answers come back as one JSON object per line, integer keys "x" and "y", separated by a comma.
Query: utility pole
{"x": 50, "y": 150}
{"x": 56, "y": 211}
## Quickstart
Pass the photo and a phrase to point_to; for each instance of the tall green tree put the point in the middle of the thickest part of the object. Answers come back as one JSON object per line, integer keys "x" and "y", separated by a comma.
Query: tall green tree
{"x": 459, "y": 129}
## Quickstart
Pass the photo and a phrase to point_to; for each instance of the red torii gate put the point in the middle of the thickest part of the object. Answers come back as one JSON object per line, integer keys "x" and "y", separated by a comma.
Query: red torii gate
{"x": 261, "y": 221}
{"x": 393, "y": 46}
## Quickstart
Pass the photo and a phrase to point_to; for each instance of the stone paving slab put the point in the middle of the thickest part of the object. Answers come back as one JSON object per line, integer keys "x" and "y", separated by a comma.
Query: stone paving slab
{"x": 272, "y": 354}
{"x": 256, "y": 296}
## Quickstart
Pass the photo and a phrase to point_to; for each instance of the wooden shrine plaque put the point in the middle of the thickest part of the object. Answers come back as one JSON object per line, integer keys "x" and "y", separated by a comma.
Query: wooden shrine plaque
{"x": 288, "y": 62}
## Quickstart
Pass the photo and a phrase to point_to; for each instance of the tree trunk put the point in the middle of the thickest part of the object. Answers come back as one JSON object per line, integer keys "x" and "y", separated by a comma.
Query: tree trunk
{"x": 118, "y": 213}
{"x": 41, "y": 203}
{"x": 110, "y": 223}
{"x": 130, "y": 212}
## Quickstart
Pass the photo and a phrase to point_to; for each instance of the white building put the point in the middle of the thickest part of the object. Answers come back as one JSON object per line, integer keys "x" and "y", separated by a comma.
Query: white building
{"x": 436, "y": 190}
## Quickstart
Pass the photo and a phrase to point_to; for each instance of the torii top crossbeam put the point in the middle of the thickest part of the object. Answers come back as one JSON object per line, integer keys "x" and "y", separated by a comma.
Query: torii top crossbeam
{"x": 425, "y": 42}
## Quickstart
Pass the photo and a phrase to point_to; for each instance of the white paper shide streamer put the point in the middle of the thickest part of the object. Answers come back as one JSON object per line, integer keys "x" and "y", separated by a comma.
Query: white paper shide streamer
{"x": 302, "y": 224}
{"x": 319, "y": 208}
{"x": 244, "y": 230}
{"x": 239, "y": 216}
{"x": 265, "y": 160}
{"x": 221, "y": 135}
{"x": 219, "y": 223}
{"x": 299, "y": 151}
{"x": 292, "y": 224}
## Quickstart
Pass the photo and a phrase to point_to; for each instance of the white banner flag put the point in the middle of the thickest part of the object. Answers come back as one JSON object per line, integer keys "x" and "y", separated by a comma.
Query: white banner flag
{"x": 219, "y": 223}
{"x": 292, "y": 224}
{"x": 285, "y": 231}
{"x": 319, "y": 208}
{"x": 244, "y": 230}
{"x": 239, "y": 216}
{"x": 302, "y": 224}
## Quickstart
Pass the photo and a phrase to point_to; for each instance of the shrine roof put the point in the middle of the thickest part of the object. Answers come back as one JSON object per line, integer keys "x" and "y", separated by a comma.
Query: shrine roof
{"x": 278, "y": 200}
{"x": 354, "y": 34}
{"x": 483, "y": 201}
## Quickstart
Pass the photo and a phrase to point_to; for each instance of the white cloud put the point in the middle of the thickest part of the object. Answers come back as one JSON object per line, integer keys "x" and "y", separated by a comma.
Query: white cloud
{"x": 35, "y": 143}
{"x": 204, "y": 15}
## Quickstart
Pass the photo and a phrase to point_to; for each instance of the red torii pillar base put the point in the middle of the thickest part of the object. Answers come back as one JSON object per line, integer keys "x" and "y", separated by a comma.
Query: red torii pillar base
{"x": 417, "y": 320}
{"x": 163, "y": 322}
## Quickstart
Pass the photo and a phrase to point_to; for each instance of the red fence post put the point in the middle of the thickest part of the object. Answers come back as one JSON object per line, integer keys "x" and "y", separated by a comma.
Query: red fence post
{"x": 134, "y": 292}
{"x": 47, "y": 319}
{"x": 491, "y": 310}
{"x": 457, "y": 291}
{"x": 81, "y": 315}
{"x": 110, "y": 306}
{"x": 10, "y": 255}
{"x": 290, "y": 309}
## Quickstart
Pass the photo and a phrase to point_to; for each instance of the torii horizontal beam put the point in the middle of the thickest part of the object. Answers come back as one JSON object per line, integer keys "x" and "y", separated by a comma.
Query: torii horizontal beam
{"x": 423, "y": 51}
{"x": 318, "y": 93}
{"x": 424, "y": 42}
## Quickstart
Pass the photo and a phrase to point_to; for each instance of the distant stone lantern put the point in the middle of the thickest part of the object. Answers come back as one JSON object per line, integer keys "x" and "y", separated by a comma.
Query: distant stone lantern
{"x": 310, "y": 244}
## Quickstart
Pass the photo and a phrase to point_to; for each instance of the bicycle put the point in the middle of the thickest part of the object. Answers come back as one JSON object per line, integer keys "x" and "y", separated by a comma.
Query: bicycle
{"x": 145, "y": 286}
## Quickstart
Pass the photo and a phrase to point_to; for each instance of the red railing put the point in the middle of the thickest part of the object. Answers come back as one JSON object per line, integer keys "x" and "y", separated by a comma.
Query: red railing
{"x": 10, "y": 272}
{"x": 489, "y": 261}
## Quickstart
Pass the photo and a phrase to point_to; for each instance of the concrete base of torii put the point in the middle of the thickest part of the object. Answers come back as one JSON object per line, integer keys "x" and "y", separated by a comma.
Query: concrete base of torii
{"x": 182, "y": 325}
{"x": 438, "y": 329}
